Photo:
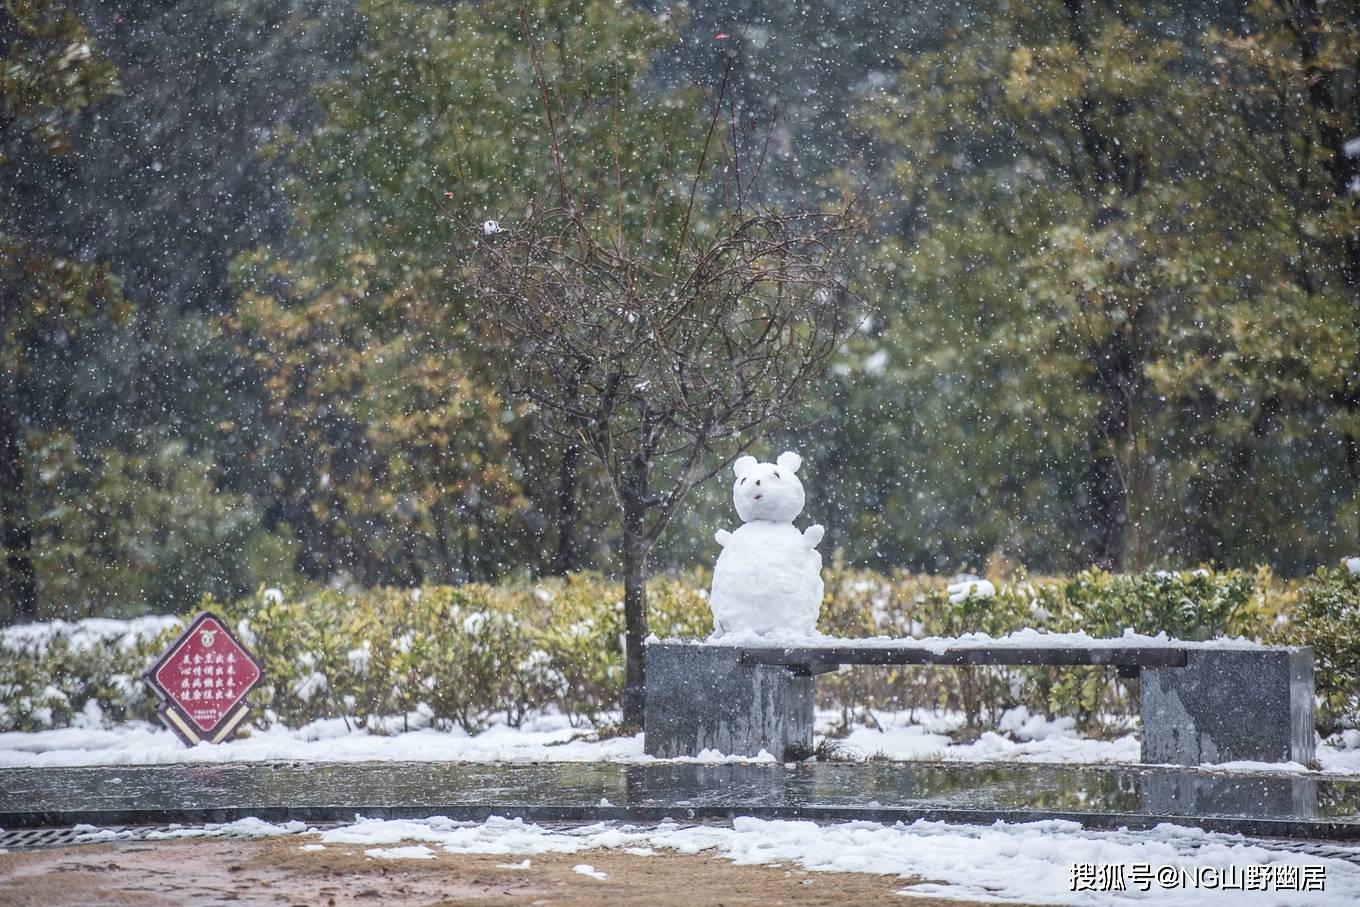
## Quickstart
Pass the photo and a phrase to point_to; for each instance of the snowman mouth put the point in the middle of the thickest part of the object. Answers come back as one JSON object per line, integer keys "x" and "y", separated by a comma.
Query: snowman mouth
{"x": 757, "y": 497}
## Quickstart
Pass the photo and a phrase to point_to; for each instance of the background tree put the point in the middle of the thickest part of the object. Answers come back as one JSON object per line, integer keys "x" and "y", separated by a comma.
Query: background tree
{"x": 1080, "y": 213}
{"x": 391, "y": 454}
{"x": 1112, "y": 282}
{"x": 126, "y": 406}
{"x": 368, "y": 279}
{"x": 168, "y": 185}
{"x": 1281, "y": 175}
{"x": 50, "y": 75}
{"x": 661, "y": 322}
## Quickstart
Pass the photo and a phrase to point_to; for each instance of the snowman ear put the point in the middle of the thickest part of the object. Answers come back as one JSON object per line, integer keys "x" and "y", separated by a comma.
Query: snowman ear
{"x": 744, "y": 465}
{"x": 790, "y": 461}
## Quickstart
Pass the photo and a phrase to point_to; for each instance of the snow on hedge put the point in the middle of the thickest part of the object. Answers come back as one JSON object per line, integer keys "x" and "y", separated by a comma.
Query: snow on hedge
{"x": 86, "y": 634}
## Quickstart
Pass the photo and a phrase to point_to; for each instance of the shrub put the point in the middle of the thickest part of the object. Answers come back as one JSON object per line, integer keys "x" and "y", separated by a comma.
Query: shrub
{"x": 463, "y": 656}
{"x": 1192, "y": 605}
{"x": 63, "y": 676}
{"x": 120, "y": 533}
{"x": 1327, "y": 617}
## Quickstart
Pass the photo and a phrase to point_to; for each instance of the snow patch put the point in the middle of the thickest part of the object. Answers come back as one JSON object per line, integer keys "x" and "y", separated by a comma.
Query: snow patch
{"x": 586, "y": 869}
{"x": 1024, "y": 726}
{"x": 713, "y": 756}
{"x": 550, "y": 738}
{"x": 970, "y": 588}
{"x": 415, "y": 852}
{"x": 249, "y": 827}
{"x": 1031, "y": 862}
{"x": 903, "y": 736}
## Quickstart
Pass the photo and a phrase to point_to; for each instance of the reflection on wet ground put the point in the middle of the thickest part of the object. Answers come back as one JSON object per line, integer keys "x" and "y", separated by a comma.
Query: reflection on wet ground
{"x": 1291, "y": 805}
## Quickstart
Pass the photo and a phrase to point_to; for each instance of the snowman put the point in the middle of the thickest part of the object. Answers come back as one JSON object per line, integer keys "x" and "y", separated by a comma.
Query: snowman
{"x": 768, "y": 578}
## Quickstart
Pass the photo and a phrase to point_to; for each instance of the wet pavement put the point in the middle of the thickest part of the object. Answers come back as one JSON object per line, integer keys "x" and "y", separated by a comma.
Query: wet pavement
{"x": 1265, "y": 804}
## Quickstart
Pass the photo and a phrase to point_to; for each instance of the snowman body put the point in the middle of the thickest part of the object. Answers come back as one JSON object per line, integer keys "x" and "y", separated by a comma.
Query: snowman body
{"x": 768, "y": 578}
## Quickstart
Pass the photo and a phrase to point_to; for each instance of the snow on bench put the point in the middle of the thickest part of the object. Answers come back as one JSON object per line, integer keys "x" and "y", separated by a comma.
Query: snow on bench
{"x": 820, "y": 654}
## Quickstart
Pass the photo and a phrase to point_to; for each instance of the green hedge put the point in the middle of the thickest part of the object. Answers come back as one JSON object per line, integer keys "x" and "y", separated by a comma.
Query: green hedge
{"x": 469, "y": 655}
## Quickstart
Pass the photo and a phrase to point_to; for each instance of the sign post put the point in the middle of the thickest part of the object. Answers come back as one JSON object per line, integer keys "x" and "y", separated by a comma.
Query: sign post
{"x": 202, "y": 680}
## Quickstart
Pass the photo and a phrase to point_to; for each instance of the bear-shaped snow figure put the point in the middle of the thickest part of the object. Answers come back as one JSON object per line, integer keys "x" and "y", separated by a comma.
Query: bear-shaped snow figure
{"x": 768, "y": 578}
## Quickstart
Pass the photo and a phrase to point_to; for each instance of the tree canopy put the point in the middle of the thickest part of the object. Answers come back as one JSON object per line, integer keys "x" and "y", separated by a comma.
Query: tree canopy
{"x": 1112, "y": 266}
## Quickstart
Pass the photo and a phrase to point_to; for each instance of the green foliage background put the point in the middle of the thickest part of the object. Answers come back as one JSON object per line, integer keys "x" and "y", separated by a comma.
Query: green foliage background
{"x": 1111, "y": 287}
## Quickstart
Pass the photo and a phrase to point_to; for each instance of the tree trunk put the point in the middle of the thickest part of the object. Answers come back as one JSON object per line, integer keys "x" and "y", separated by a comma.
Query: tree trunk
{"x": 1106, "y": 480}
{"x": 1108, "y": 507}
{"x": 1108, "y": 484}
{"x": 564, "y": 558}
{"x": 636, "y": 547}
{"x": 16, "y": 534}
{"x": 635, "y": 631}
{"x": 1353, "y": 462}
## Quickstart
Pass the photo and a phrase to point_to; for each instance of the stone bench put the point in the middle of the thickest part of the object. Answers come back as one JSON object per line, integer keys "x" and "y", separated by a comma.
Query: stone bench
{"x": 1200, "y": 702}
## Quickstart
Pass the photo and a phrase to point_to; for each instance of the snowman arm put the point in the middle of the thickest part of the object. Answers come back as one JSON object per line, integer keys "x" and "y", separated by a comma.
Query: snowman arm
{"x": 722, "y": 537}
{"x": 812, "y": 536}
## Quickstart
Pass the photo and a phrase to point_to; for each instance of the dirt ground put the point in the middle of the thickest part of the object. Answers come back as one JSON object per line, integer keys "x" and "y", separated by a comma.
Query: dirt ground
{"x": 277, "y": 872}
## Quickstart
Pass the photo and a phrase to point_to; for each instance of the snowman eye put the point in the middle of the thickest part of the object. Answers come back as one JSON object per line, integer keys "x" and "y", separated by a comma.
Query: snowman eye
{"x": 742, "y": 482}
{"x": 776, "y": 475}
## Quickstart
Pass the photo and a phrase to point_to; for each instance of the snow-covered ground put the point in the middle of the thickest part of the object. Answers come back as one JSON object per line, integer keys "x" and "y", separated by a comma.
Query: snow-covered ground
{"x": 900, "y": 736}
{"x": 1049, "y": 862}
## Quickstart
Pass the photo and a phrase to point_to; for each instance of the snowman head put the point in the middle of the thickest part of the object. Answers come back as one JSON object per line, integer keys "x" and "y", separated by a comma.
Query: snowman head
{"x": 768, "y": 491}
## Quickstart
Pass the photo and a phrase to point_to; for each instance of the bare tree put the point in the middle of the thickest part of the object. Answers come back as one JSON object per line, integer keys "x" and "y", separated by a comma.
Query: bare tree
{"x": 659, "y": 335}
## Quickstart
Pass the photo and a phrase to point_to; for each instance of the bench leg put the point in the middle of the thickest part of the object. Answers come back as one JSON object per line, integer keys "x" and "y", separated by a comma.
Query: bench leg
{"x": 702, "y": 697}
{"x": 1228, "y": 705}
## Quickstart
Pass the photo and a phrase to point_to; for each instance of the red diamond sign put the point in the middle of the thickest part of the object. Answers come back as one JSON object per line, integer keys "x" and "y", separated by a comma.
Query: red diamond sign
{"x": 203, "y": 679}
